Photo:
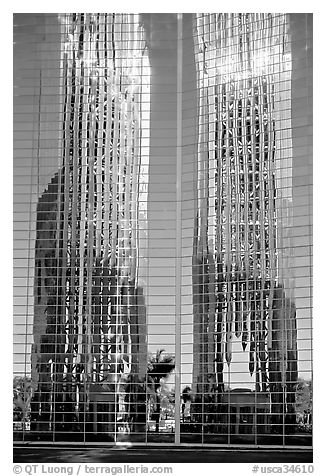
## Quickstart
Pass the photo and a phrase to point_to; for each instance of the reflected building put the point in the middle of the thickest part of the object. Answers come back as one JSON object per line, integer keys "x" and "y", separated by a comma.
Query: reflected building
{"x": 242, "y": 283}
{"x": 89, "y": 310}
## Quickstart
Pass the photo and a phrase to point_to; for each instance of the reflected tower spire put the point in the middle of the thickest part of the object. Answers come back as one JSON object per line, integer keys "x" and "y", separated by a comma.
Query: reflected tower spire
{"x": 241, "y": 261}
{"x": 89, "y": 311}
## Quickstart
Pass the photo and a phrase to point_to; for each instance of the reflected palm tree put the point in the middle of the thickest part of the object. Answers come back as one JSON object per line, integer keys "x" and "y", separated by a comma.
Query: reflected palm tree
{"x": 22, "y": 396}
{"x": 139, "y": 392}
{"x": 159, "y": 367}
{"x": 186, "y": 397}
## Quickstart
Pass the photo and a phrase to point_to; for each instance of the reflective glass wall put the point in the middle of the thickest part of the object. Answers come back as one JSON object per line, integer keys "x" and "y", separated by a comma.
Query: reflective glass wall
{"x": 251, "y": 244}
{"x": 162, "y": 228}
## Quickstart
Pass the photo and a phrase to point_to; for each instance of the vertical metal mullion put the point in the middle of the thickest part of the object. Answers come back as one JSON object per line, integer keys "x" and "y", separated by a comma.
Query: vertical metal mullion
{"x": 178, "y": 230}
{"x": 36, "y": 129}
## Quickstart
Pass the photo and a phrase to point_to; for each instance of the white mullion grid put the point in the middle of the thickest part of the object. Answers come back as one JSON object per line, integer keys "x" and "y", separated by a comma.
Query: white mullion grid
{"x": 237, "y": 91}
{"x": 67, "y": 206}
{"x": 211, "y": 197}
{"x": 118, "y": 197}
{"x": 275, "y": 260}
{"x": 270, "y": 175}
{"x": 178, "y": 263}
{"x": 123, "y": 200}
{"x": 229, "y": 320}
{"x": 113, "y": 154}
{"x": 99, "y": 116}
{"x": 260, "y": 222}
{"x": 58, "y": 317}
{"x": 245, "y": 99}
{"x": 93, "y": 95}
{"x": 108, "y": 179}
{"x": 107, "y": 190}
{"x": 100, "y": 138}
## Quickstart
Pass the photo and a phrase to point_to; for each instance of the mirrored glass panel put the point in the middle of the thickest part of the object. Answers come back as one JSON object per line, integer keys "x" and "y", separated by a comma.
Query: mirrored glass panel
{"x": 163, "y": 228}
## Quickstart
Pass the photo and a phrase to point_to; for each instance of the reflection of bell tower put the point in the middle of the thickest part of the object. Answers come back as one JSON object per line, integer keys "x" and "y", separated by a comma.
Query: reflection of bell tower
{"x": 241, "y": 257}
{"x": 89, "y": 309}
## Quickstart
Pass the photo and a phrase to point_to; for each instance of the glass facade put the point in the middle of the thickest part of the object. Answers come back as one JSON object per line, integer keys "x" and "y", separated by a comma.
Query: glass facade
{"x": 162, "y": 228}
{"x": 242, "y": 263}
